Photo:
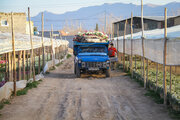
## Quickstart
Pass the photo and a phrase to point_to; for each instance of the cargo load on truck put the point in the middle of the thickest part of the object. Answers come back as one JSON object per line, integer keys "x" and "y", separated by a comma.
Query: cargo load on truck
{"x": 91, "y": 37}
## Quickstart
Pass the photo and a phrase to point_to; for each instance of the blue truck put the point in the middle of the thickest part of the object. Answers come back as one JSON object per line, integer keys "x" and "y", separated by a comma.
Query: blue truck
{"x": 91, "y": 58}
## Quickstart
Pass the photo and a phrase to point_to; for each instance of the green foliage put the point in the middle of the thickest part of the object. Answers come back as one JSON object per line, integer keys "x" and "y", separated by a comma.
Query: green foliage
{"x": 1, "y": 105}
{"x": 6, "y": 102}
{"x": 57, "y": 65}
{"x": 34, "y": 84}
{"x": 155, "y": 96}
{"x": 152, "y": 78}
{"x": 97, "y": 28}
{"x": 138, "y": 80}
{"x": 62, "y": 57}
{"x": 35, "y": 29}
{"x": 174, "y": 114}
{"x": 173, "y": 98}
{"x": 2, "y": 75}
{"x": 52, "y": 68}
{"x": 24, "y": 91}
{"x": 3, "y": 102}
{"x": 68, "y": 56}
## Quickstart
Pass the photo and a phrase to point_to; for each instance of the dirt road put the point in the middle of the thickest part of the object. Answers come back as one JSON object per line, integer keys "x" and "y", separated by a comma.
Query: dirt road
{"x": 61, "y": 96}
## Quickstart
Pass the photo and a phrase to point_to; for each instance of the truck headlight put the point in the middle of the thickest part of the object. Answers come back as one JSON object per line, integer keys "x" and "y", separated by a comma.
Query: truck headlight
{"x": 104, "y": 65}
{"x": 79, "y": 61}
{"x": 108, "y": 63}
{"x": 83, "y": 64}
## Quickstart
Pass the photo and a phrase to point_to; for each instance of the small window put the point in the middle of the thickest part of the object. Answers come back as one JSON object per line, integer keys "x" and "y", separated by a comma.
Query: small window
{"x": 4, "y": 23}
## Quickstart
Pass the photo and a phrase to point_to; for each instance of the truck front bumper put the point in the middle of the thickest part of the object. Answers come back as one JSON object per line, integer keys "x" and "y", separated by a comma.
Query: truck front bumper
{"x": 94, "y": 66}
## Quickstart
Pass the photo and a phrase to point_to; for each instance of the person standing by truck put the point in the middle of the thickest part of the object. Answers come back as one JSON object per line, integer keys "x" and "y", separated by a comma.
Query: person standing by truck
{"x": 112, "y": 54}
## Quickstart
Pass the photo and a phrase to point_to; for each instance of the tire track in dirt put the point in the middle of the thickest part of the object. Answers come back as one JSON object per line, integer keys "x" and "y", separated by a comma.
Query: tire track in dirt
{"x": 61, "y": 96}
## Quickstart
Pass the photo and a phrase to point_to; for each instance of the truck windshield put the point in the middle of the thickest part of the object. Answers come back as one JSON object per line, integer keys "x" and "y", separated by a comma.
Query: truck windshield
{"x": 92, "y": 50}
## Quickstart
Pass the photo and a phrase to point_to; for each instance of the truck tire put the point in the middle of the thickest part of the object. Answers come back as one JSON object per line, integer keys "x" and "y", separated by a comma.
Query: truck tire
{"x": 78, "y": 72}
{"x": 107, "y": 72}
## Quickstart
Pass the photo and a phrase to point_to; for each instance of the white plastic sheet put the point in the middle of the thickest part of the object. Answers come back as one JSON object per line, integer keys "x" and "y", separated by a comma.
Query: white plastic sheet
{"x": 154, "y": 45}
{"x": 7, "y": 89}
{"x": 22, "y": 42}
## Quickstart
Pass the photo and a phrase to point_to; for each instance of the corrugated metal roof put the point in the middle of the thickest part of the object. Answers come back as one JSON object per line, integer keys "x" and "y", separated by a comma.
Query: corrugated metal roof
{"x": 155, "y": 18}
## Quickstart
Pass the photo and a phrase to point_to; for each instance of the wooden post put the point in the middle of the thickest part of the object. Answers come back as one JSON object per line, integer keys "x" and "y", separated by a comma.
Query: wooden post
{"x": 14, "y": 53}
{"x": 124, "y": 45}
{"x": 32, "y": 51}
{"x": 143, "y": 57}
{"x": 59, "y": 53}
{"x": 164, "y": 57}
{"x": 52, "y": 46}
{"x": 131, "y": 58}
{"x": 19, "y": 64}
{"x": 112, "y": 31}
{"x": 55, "y": 53}
{"x": 34, "y": 57}
{"x": 170, "y": 79}
{"x": 9, "y": 66}
{"x": 117, "y": 38}
{"x": 27, "y": 62}
{"x": 43, "y": 48}
{"x": 12, "y": 69}
{"x": 24, "y": 64}
{"x": 135, "y": 64}
{"x": 141, "y": 67}
{"x": 47, "y": 49}
{"x": 156, "y": 76}
{"x": 39, "y": 63}
{"x": 6, "y": 74}
{"x": 147, "y": 71}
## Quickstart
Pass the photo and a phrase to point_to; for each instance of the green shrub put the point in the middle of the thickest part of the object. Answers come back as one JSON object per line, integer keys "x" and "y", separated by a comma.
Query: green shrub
{"x": 155, "y": 96}
{"x": 24, "y": 91}
{"x": 68, "y": 56}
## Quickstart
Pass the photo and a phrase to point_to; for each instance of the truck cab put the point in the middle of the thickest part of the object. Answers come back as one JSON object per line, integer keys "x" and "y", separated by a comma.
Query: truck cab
{"x": 91, "y": 58}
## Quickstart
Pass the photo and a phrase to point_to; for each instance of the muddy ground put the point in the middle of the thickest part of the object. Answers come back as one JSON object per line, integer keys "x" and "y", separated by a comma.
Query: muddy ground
{"x": 62, "y": 96}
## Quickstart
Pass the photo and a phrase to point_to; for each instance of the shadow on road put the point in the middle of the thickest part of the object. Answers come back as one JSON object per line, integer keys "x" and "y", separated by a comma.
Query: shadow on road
{"x": 61, "y": 75}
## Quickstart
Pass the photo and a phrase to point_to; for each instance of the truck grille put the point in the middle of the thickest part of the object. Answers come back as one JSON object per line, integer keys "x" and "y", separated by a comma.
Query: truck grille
{"x": 94, "y": 64}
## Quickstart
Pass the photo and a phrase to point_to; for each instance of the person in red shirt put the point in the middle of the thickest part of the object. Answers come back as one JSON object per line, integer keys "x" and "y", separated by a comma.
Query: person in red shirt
{"x": 112, "y": 53}
{"x": 112, "y": 50}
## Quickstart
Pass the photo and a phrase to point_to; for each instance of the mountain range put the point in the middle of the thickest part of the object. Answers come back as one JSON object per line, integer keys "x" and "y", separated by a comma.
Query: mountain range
{"x": 89, "y": 16}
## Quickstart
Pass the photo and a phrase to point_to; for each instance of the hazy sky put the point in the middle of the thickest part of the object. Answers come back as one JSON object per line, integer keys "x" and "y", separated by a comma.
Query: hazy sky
{"x": 61, "y": 6}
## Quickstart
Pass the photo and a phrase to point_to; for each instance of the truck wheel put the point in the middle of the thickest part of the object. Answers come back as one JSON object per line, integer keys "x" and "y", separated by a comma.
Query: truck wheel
{"x": 78, "y": 72}
{"x": 108, "y": 73}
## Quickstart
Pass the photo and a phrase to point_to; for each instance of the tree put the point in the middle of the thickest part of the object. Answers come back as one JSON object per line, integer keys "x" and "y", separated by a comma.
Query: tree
{"x": 97, "y": 28}
{"x": 35, "y": 29}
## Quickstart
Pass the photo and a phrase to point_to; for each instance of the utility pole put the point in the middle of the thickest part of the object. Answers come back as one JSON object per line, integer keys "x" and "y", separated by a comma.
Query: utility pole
{"x": 105, "y": 21}
{"x": 80, "y": 27}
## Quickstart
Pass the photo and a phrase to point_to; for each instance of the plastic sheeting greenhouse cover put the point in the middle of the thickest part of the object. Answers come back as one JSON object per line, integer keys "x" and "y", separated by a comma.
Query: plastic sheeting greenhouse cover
{"x": 154, "y": 45}
{"x": 22, "y": 42}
